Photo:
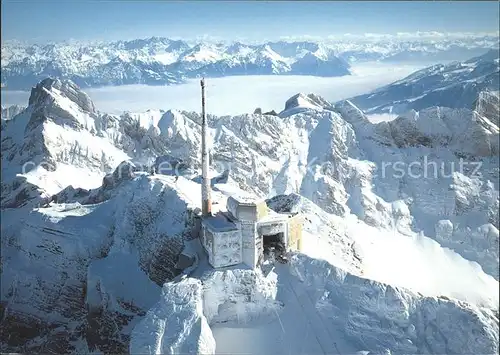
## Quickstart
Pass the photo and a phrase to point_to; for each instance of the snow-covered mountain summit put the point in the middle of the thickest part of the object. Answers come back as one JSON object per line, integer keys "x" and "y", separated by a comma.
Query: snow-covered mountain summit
{"x": 455, "y": 85}
{"x": 398, "y": 233}
{"x": 60, "y": 139}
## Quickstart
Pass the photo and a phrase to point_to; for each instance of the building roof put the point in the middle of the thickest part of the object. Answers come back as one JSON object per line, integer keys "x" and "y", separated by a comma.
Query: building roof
{"x": 219, "y": 223}
{"x": 245, "y": 200}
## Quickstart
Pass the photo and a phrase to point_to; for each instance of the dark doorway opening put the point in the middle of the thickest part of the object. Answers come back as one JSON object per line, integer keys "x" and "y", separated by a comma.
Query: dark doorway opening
{"x": 274, "y": 244}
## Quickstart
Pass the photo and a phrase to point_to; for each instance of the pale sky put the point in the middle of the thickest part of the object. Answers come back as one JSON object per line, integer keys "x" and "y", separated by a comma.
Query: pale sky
{"x": 57, "y": 20}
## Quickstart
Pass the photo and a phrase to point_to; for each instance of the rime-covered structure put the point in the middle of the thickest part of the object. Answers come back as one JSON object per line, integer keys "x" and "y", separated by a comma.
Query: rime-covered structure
{"x": 239, "y": 235}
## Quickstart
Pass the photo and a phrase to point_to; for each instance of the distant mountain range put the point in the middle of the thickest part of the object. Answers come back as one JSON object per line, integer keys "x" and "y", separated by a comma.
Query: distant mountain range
{"x": 454, "y": 85}
{"x": 163, "y": 61}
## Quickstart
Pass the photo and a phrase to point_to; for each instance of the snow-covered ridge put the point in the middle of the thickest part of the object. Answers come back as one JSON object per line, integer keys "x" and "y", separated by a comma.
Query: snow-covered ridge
{"x": 455, "y": 85}
{"x": 429, "y": 235}
{"x": 162, "y": 61}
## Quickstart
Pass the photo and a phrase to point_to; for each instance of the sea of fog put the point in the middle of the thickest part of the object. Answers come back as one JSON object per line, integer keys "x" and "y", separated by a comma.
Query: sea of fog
{"x": 237, "y": 94}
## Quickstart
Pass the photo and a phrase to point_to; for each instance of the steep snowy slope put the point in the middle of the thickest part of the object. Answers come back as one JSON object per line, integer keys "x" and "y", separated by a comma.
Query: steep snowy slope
{"x": 455, "y": 85}
{"x": 75, "y": 276}
{"x": 488, "y": 105}
{"x": 87, "y": 255}
{"x": 196, "y": 57}
{"x": 319, "y": 65}
{"x": 50, "y": 143}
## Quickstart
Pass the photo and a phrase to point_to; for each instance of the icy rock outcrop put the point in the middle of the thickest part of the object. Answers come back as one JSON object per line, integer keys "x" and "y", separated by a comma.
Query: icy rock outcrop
{"x": 351, "y": 113}
{"x": 183, "y": 134}
{"x": 44, "y": 264}
{"x": 488, "y": 105}
{"x": 170, "y": 165}
{"x": 54, "y": 133}
{"x": 323, "y": 66}
{"x": 176, "y": 325}
{"x": 303, "y": 100}
{"x": 330, "y": 144}
{"x": 61, "y": 135}
{"x": 125, "y": 171}
{"x": 464, "y": 130}
{"x": 444, "y": 229}
{"x": 19, "y": 192}
{"x": 439, "y": 163}
{"x": 238, "y": 295}
{"x": 179, "y": 322}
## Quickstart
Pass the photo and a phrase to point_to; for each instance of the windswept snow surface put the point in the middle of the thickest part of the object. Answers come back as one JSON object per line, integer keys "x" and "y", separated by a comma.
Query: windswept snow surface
{"x": 423, "y": 265}
{"x": 408, "y": 260}
{"x": 293, "y": 326}
{"x": 381, "y": 117}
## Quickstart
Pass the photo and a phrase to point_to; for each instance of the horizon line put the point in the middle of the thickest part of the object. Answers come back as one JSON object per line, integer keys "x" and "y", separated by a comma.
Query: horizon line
{"x": 367, "y": 36}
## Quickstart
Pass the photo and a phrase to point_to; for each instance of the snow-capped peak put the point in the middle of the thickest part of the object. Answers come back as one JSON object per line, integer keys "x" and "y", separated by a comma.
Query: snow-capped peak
{"x": 300, "y": 102}
{"x": 201, "y": 53}
{"x": 63, "y": 88}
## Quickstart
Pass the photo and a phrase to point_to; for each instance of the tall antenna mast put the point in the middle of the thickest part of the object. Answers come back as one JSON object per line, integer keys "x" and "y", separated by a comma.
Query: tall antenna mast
{"x": 206, "y": 204}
